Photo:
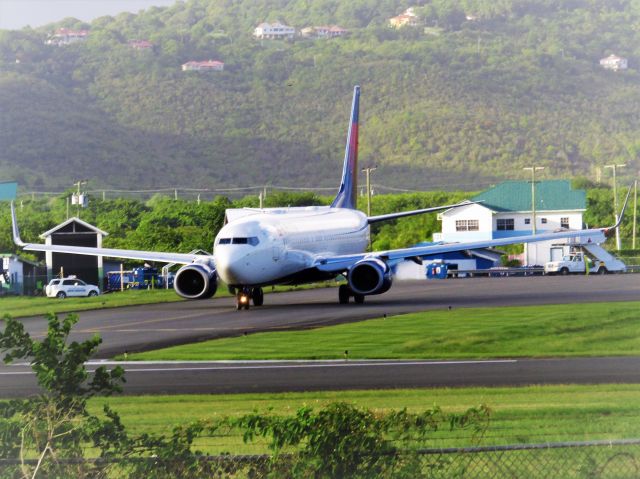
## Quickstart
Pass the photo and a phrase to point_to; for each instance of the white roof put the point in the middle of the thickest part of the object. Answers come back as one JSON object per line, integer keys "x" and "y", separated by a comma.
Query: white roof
{"x": 71, "y": 220}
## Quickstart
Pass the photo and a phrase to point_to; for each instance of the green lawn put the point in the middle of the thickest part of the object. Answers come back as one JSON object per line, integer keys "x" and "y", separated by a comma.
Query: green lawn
{"x": 595, "y": 329}
{"x": 519, "y": 415}
{"x": 20, "y": 306}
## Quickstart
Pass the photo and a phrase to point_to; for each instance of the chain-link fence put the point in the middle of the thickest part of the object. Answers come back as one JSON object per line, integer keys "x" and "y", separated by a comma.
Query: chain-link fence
{"x": 589, "y": 460}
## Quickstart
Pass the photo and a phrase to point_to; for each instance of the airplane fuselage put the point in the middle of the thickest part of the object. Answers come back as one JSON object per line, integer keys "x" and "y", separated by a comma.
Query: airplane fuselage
{"x": 272, "y": 246}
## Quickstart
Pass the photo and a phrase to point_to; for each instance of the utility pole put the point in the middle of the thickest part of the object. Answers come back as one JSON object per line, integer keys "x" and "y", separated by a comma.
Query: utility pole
{"x": 368, "y": 171}
{"x": 614, "y": 168}
{"x": 78, "y": 184}
{"x": 635, "y": 212}
{"x": 528, "y": 246}
{"x": 533, "y": 170}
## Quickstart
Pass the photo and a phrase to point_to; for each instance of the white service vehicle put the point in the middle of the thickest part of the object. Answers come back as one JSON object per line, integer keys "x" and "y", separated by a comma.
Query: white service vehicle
{"x": 70, "y": 286}
{"x": 596, "y": 258}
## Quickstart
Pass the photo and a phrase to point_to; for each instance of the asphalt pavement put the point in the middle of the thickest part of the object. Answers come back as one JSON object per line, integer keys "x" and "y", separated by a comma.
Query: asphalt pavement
{"x": 141, "y": 328}
{"x": 152, "y": 326}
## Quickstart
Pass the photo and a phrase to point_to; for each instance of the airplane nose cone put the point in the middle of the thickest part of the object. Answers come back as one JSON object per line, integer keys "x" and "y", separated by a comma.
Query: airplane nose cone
{"x": 232, "y": 269}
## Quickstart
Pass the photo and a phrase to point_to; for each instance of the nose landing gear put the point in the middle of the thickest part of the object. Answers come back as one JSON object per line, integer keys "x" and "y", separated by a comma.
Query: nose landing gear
{"x": 244, "y": 296}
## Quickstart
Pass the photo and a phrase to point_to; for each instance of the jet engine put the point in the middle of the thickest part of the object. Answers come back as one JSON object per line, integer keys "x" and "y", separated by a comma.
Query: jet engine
{"x": 369, "y": 276}
{"x": 196, "y": 281}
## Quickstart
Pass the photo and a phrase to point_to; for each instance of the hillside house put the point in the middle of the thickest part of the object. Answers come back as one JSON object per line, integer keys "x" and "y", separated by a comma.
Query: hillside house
{"x": 141, "y": 45}
{"x": 66, "y": 36}
{"x": 408, "y": 18}
{"x": 330, "y": 31}
{"x": 274, "y": 31}
{"x": 506, "y": 212}
{"x": 614, "y": 62}
{"x": 204, "y": 66}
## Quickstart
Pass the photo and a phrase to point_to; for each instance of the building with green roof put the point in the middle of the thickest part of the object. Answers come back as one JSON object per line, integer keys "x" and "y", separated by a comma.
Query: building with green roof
{"x": 505, "y": 210}
{"x": 551, "y": 195}
{"x": 8, "y": 191}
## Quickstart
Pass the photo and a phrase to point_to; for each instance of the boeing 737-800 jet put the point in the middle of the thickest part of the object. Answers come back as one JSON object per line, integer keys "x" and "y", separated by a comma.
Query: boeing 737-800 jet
{"x": 260, "y": 247}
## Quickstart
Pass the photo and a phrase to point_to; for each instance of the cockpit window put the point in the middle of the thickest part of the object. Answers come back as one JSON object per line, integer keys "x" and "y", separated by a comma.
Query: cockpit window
{"x": 253, "y": 240}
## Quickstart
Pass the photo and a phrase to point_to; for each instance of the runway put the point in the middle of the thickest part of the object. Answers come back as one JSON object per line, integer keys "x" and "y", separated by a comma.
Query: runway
{"x": 283, "y": 376}
{"x": 153, "y": 326}
{"x": 140, "y": 328}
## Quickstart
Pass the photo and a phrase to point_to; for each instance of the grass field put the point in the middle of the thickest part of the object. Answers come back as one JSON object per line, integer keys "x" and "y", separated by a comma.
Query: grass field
{"x": 533, "y": 414}
{"x": 20, "y": 306}
{"x": 596, "y": 329}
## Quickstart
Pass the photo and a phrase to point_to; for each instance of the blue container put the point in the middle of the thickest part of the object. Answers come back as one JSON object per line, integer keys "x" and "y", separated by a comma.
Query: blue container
{"x": 437, "y": 271}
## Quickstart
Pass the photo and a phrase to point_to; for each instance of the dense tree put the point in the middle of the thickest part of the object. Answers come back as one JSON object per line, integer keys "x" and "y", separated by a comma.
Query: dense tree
{"x": 465, "y": 101}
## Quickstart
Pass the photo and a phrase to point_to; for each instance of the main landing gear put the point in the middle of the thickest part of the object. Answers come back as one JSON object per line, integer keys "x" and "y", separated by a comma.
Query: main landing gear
{"x": 244, "y": 296}
{"x": 345, "y": 292}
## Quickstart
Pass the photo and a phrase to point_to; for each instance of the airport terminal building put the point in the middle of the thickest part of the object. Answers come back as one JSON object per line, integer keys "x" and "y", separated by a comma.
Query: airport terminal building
{"x": 506, "y": 211}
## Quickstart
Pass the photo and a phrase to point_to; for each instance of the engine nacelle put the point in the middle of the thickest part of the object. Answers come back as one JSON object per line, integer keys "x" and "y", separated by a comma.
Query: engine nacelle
{"x": 369, "y": 276}
{"x": 196, "y": 281}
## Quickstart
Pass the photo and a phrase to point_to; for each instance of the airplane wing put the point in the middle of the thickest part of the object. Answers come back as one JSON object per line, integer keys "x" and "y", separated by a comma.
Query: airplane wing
{"x": 402, "y": 214}
{"x": 178, "y": 258}
{"x": 338, "y": 264}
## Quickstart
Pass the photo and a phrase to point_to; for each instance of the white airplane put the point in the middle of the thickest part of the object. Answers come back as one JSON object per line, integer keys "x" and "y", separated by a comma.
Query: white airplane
{"x": 261, "y": 247}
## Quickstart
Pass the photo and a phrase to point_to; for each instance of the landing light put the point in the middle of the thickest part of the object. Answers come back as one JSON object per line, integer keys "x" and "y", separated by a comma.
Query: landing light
{"x": 243, "y": 299}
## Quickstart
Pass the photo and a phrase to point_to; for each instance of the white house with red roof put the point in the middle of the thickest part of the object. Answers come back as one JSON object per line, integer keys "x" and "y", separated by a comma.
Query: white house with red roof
{"x": 203, "y": 66}
{"x": 66, "y": 36}
{"x": 274, "y": 31}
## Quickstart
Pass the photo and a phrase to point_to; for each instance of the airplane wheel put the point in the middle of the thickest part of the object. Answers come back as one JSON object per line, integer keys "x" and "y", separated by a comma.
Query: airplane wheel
{"x": 257, "y": 295}
{"x": 358, "y": 298}
{"x": 343, "y": 294}
{"x": 243, "y": 299}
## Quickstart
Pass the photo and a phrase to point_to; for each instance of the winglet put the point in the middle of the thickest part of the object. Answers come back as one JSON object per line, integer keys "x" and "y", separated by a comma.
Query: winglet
{"x": 624, "y": 207}
{"x": 348, "y": 193}
{"x": 16, "y": 231}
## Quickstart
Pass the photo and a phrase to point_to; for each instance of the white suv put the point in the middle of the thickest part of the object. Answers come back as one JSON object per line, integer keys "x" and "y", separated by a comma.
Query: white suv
{"x": 61, "y": 288}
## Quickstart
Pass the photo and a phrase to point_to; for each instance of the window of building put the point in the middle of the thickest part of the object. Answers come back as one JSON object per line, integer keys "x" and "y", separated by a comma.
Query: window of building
{"x": 527, "y": 221}
{"x": 505, "y": 224}
{"x": 467, "y": 225}
{"x": 564, "y": 223}
{"x": 543, "y": 221}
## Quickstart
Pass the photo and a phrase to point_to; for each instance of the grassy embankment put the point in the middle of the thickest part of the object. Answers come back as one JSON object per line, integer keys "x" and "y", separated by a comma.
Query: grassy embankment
{"x": 21, "y": 306}
{"x": 596, "y": 329}
{"x": 532, "y": 414}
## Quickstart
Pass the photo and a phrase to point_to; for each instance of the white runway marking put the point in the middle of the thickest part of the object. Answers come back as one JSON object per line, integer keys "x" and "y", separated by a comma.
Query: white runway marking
{"x": 277, "y": 364}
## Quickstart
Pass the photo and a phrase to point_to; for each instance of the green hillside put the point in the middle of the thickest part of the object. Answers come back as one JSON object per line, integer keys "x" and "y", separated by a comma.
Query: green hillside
{"x": 453, "y": 103}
